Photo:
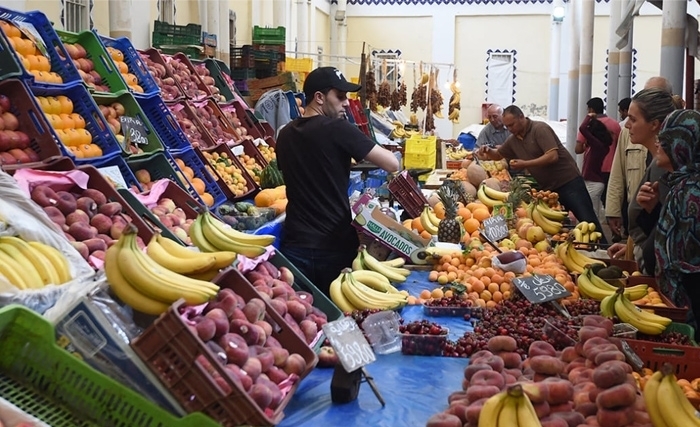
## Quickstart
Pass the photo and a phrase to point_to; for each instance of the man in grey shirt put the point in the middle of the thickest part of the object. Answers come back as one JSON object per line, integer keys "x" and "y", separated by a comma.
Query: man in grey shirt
{"x": 494, "y": 133}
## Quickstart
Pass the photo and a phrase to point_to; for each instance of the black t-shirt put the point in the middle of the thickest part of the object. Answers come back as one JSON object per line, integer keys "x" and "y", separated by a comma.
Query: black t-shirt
{"x": 314, "y": 155}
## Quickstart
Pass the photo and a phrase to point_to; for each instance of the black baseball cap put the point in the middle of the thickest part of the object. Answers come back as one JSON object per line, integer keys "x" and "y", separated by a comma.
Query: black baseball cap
{"x": 325, "y": 78}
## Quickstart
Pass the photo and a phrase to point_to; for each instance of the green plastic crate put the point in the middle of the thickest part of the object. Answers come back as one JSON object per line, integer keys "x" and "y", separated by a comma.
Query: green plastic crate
{"x": 97, "y": 53}
{"x": 170, "y": 34}
{"x": 56, "y": 387}
{"x": 192, "y": 52}
{"x": 132, "y": 109}
{"x": 159, "y": 167}
{"x": 262, "y": 35}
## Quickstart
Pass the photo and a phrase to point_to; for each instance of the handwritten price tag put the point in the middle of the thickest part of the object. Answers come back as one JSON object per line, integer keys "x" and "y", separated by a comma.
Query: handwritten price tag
{"x": 348, "y": 341}
{"x": 540, "y": 288}
{"x": 134, "y": 130}
{"x": 495, "y": 228}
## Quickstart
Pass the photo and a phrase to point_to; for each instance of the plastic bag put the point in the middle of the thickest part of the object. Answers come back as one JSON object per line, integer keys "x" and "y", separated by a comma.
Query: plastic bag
{"x": 23, "y": 218}
{"x": 518, "y": 266}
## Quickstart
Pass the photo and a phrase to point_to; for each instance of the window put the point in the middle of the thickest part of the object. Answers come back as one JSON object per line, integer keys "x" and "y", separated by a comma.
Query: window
{"x": 77, "y": 15}
{"x": 500, "y": 77}
{"x": 393, "y": 74}
{"x": 232, "y": 27}
{"x": 166, "y": 11}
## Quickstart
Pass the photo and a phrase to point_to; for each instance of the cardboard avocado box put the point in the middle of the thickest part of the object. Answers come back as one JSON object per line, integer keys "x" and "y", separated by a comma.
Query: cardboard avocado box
{"x": 372, "y": 221}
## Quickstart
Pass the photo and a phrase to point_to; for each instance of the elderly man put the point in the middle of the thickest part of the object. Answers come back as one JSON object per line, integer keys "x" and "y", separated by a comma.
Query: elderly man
{"x": 494, "y": 133}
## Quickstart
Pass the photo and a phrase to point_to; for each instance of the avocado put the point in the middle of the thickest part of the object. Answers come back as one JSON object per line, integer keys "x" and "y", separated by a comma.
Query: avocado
{"x": 595, "y": 268}
{"x": 607, "y": 273}
{"x": 619, "y": 274}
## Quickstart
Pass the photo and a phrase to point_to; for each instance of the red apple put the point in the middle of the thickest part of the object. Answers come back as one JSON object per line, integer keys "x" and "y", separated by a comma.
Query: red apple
{"x": 327, "y": 357}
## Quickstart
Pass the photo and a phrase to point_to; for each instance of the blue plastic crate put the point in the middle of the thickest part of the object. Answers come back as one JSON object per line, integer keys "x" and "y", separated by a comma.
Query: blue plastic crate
{"x": 356, "y": 183}
{"x": 164, "y": 122}
{"x": 124, "y": 169}
{"x": 60, "y": 64}
{"x": 191, "y": 159}
{"x": 136, "y": 65}
{"x": 95, "y": 123}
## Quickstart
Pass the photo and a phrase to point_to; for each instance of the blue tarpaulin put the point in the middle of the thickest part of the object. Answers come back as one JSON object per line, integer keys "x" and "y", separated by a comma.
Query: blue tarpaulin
{"x": 414, "y": 387}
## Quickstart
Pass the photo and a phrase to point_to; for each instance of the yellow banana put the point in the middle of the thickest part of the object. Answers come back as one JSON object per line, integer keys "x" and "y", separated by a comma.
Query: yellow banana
{"x": 595, "y": 236}
{"x": 238, "y": 236}
{"x": 586, "y": 237}
{"x": 41, "y": 264}
{"x": 123, "y": 290}
{"x": 508, "y": 417}
{"x": 550, "y": 213}
{"x": 363, "y": 297}
{"x": 607, "y": 305}
{"x": 501, "y": 196}
{"x": 628, "y": 313}
{"x": 193, "y": 264}
{"x": 583, "y": 226}
{"x": 651, "y": 398}
{"x": 588, "y": 289}
{"x": 7, "y": 270}
{"x": 491, "y": 409}
{"x": 432, "y": 217}
{"x": 59, "y": 262}
{"x": 527, "y": 416}
{"x": 396, "y": 262}
{"x": 197, "y": 236}
{"x": 373, "y": 264}
{"x": 206, "y": 276}
{"x": 578, "y": 236}
{"x": 215, "y": 235}
{"x": 427, "y": 223}
{"x": 337, "y": 295}
{"x": 30, "y": 276}
{"x": 485, "y": 199}
{"x": 548, "y": 226}
{"x": 580, "y": 258}
{"x": 633, "y": 292}
{"x": 591, "y": 227}
{"x": 223, "y": 258}
{"x": 564, "y": 253}
{"x": 671, "y": 407}
{"x": 357, "y": 262}
{"x": 374, "y": 280}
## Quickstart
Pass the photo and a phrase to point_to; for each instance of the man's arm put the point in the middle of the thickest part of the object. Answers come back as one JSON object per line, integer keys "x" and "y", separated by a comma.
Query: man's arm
{"x": 487, "y": 153}
{"x": 383, "y": 158}
{"x": 547, "y": 158}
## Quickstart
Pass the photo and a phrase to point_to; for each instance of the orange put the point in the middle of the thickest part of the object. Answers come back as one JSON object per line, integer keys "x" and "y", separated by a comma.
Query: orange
{"x": 471, "y": 225}
{"x": 189, "y": 173}
{"x": 84, "y": 136}
{"x": 54, "y": 121}
{"x": 424, "y": 234}
{"x": 76, "y": 152}
{"x": 25, "y": 62}
{"x": 54, "y": 105}
{"x": 439, "y": 210}
{"x": 130, "y": 79}
{"x": 475, "y": 205}
{"x": 78, "y": 120}
{"x": 61, "y": 135}
{"x": 481, "y": 214}
{"x": 86, "y": 150}
{"x": 123, "y": 68}
{"x": 198, "y": 185}
{"x": 137, "y": 88}
{"x": 416, "y": 225}
{"x": 65, "y": 103}
{"x": 207, "y": 199}
{"x": 464, "y": 213}
{"x": 66, "y": 121}
{"x": 44, "y": 64}
{"x": 33, "y": 62}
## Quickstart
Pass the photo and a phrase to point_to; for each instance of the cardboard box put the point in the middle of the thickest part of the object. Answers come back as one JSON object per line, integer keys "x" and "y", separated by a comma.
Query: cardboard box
{"x": 86, "y": 332}
{"x": 372, "y": 221}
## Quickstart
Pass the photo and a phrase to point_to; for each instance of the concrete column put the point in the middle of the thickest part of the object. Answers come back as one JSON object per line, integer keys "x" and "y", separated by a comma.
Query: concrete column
{"x": 673, "y": 42}
{"x": 613, "y": 60}
{"x": 214, "y": 21}
{"x": 255, "y": 14}
{"x": 224, "y": 37}
{"x": 267, "y": 13}
{"x": 554, "y": 67}
{"x": 303, "y": 7}
{"x": 333, "y": 30}
{"x": 203, "y": 11}
{"x": 624, "y": 88}
{"x": 586, "y": 62}
{"x": 572, "y": 119}
{"x": 120, "y": 22}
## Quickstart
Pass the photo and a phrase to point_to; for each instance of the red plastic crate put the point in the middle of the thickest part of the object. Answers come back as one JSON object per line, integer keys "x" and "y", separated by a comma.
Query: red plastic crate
{"x": 155, "y": 56}
{"x": 213, "y": 109}
{"x": 200, "y": 84}
{"x": 677, "y": 314}
{"x": 251, "y": 185}
{"x": 170, "y": 349}
{"x": 406, "y": 192}
{"x": 184, "y": 107}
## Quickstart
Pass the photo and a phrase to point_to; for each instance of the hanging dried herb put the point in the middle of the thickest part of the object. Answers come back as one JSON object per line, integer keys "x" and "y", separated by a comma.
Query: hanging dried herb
{"x": 419, "y": 98}
{"x": 403, "y": 100}
{"x": 371, "y": 84}
{"x": 395, "y": 100}
{"x": 384, "y": 95}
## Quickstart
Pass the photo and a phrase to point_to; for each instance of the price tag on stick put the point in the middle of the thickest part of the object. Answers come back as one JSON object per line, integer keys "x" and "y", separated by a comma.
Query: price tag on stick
{"x": 348, "y": 341}
{"x": 540, "y": 288}
{"x": 495, "y": 228}
{"x": 134, "y": 130}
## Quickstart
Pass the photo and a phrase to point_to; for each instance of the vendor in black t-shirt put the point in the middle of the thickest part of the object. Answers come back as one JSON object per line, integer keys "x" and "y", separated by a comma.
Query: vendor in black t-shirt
{"x": 314, "y": 153}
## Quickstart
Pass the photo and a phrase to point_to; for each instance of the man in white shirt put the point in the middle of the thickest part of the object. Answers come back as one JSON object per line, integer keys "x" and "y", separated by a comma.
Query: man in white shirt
{"x": 494, "y": 133}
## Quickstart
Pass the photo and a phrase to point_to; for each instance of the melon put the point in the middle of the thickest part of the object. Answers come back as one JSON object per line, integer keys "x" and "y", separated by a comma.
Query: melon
{"x": 469, "y": 188}
{"x": 476, "y": 174}
{"x": 466, "y": 163}
{"x": 493, "y": 183}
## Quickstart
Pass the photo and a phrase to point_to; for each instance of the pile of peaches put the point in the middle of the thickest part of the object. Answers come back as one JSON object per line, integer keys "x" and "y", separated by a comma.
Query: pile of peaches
{"x": 85, "y": 66}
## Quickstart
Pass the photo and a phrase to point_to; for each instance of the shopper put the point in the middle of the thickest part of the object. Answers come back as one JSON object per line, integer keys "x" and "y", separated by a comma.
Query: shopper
{"x": 647, "y": 112}
{"x": 314, "y": 153}
{"x": 622, "y": 108}
{"x": 677, "y": 240}
{"x": 494, "y": 133}
{"x": 534, "y": 146}
{"x": 596, "y": 145}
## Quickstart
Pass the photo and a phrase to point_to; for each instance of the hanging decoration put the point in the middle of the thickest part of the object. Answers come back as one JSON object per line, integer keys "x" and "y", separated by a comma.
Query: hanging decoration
{"x": 455, "y": 103}
{"x": 436, "y": 100}
{"x": 384, "y": 95}
{"x": 371, "y": 90}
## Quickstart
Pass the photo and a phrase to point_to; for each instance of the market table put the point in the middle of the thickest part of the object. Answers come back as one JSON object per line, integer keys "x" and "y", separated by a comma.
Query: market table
{"x": 414, "y": 387}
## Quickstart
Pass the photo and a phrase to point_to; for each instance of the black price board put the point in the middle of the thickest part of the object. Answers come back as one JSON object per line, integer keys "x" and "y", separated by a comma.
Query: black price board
{"x": 348, "y": 341}
{"x": 134, "y": 130}
{"x": 495, "y": 228}
{"x": 540, "y": 288}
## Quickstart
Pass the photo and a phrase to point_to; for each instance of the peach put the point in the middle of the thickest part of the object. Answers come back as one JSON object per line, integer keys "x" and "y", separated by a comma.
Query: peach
{"x": 615, "y": 417}
{"x": 254, "y": 310}
{"x": 502, "y": 343}
{"x": 55, "y": 215}
{"x": 476, "y": 392}
{"x": 606, "y": 356}
{"x": 252, "y": 367}
{"x": 541, "y": 348}
{"x": 619, "y": 395}
{"x": 442, "y": 419}
{"x": 297, "y": 310}
{"x": 546, "y": 365}
{"x": 261, "y": 395}
{"x": 77, "y": 216}
{"x": 609, "y": 375}
{"x": 86, "y": 205}
{"x": 486, "y": 377}
{"x": 206, "y": 328}
{"x": 295, "y": 364}
{"x": 220, "y": 321}
{"x": 65, "y": 202}
{"x": 560, "y": 390}
{"x": 110, "y": 209}
{"x": 511, "y": 360}
{"x": 235, "y": 347}
{"x": 102, "y": 223}
{"x": 588, "y": 332}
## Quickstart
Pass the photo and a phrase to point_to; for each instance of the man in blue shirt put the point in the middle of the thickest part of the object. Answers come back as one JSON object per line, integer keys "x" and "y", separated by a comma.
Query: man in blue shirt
{"x": 494, "y": 133}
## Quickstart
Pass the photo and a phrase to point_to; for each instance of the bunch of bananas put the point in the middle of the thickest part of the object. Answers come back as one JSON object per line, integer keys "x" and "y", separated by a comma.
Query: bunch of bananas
{"x": 398, "y": 132}
{"x": 145, "y": 285}
{"x": 550, "y": 220}
{"x": 429, "y": 220}
{"x": 619, "y": 304}
{"x": 595, "y": 287}
{"x": 509, "y": 408}
{"x": 179, "y": 259}
{"x": 211, "y": 235}
{"x": 361, "y": 290}
{"x": 491, "y": 197}
{"x": 666, "y": 404}
{"x": 391, "y": 270}
{"x": 32, "y": 265}
{"x": 458, "y": 153}
{"x": 585, "y": 232}
{"x": 574, "y": 261}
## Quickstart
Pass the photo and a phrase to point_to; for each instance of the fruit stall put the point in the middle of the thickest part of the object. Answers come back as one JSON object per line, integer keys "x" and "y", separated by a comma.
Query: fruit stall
{"x": 140, "y": 284}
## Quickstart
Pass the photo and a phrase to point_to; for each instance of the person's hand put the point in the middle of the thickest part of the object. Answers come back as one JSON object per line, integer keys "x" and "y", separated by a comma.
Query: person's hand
{"x": 648, "y": 195}
{"x": 617, "y": 250}
{"x": 592, "y": 115}
{"x": 482, "y": 153}
{"x": 517, "y": 164}
{"x": 615, "y": 224}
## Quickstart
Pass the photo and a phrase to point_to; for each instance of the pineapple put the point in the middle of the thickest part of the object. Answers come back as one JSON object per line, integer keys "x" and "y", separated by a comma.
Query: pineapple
{"x": 450, "y": 228}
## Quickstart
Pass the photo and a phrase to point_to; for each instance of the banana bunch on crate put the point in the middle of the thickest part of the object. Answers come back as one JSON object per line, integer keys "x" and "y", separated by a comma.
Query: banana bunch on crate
{"x": 398, "y": 132}
{"x": 585, "y": 232}
{"x": 509, "y": 408}
{"x": 592, "y": 286}
{"x": 181, "y": 260}
{"x": 491, "y": 197}
{"x": 457, "y": 153}
{"x": 145, "y": 285}
{"x": 549, "y": 219}
{"x": 666, "y": 403}
{"x": 574, "y": 261}
{"x": 209, "y": 234}
{"x": 360, "y": 290}
{"x": 32, "y": 265}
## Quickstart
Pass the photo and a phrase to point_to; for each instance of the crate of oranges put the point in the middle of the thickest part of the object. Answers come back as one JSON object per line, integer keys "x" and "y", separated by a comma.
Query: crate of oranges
{"x": 190, "y": 167}
{"x": 84, "y": 134}
{"x": 37, "y": 48}
{"x": 132, "y": 68}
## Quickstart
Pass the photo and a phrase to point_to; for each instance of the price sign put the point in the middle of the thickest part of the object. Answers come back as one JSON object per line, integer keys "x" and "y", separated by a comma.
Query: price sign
{"x": 134, "y": 130}
{"x": 495, "y": 228}
{"x": 348, "y": 341}
{"x": 540, "y": 288}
